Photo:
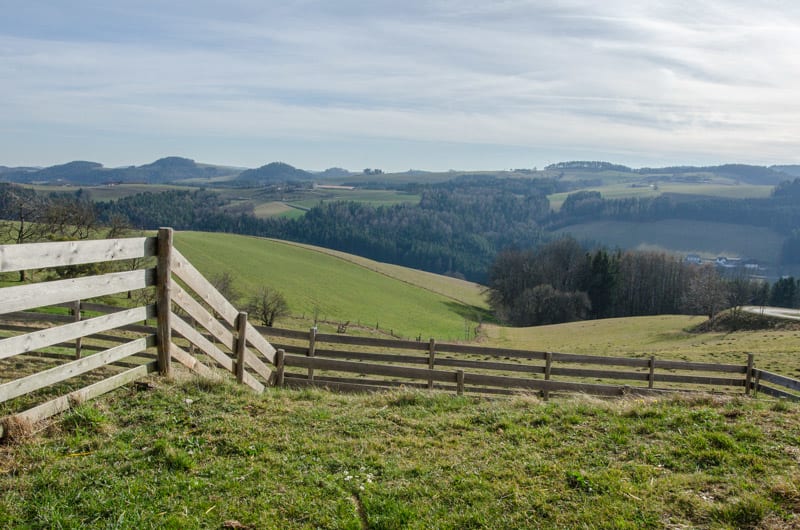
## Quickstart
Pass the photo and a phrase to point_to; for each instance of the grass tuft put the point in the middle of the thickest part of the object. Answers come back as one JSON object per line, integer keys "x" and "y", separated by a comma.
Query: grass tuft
{"x": 746, "y": 512}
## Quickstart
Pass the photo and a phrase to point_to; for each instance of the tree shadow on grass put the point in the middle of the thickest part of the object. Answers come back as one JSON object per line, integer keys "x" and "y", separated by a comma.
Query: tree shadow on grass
{"x": 471, "y": 313}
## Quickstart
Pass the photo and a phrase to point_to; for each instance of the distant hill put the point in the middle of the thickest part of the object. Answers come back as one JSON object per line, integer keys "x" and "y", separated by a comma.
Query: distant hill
{"x": 793, "y": 170}
{"x": 745, "y": 173}
{"x": 334, "y": 172}
{"x": 587, "y": 165}
{"x": 742, "y": 172}
{"x": 162, "y": 171}
{"x": 273, "y": 173}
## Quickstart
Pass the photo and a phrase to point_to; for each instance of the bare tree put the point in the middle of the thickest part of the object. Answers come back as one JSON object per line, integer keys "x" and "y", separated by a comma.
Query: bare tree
{"x": 223, "y": 282}
{"x": 268, "y": 305}
{"x": 707, "y": 292}
{"x": 69, "y": 217}
{"x": 23, "y": 210}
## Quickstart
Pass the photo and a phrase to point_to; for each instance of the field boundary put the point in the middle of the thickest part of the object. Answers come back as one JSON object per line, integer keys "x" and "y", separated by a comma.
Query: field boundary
{"x": 364, "y": 363}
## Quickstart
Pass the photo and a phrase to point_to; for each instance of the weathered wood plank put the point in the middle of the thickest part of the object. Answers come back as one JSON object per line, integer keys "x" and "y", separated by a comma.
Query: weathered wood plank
{"x": 774, "y": 392}
{"x": 599, "y": 359}
{"x": 30, "y": 316}
{"x": 364, "y": 356}
{"x": 209, "y": 294}
{"x": 59, "y": 254}
{"x": 182, "y": 328}
{"x": 371, "y": 369}
{"x": 600, "y": 374}
{"x": 189, "y": 361}
{"x": 780, "y": 380}
{"x": 699, "y": 380}
{"x": 164, "y": 301}
{"x": 240, "y": 345}
{"x": 48, "y": 337}
{"x": 22, "y": 297}
{"x": 200, "y": 315}
{"x": 63, "y": 403}
{"x": 553, "y": 386}
{"x": 383, "y": 384}
{"x": 491, "y": 365}
{"x": 700, "y": 367}
{"x": 57, "y": 374}
{"x": 192, "y": 335}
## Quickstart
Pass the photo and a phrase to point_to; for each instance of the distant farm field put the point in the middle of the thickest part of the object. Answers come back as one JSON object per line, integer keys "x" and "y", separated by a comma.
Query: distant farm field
{"x": 110, "y": 193}
{"x": 333, "y": 288}
{"x": 674, "y": 235}
{"x": 627, "y": 190}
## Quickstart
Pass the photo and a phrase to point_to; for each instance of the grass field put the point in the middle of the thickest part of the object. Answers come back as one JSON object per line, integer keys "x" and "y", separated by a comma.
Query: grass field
{"x": 200, "y": 454}
{"x": 465, "y": 292}
{"x": 624, "y": 191}
{"x": 336, "y": 289}
{"x": 705, "y": 238}
{"x": 110, "y": 193}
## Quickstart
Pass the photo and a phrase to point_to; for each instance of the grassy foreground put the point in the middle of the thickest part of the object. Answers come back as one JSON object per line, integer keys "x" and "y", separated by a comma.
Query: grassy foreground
{"x": 205, "y": 454}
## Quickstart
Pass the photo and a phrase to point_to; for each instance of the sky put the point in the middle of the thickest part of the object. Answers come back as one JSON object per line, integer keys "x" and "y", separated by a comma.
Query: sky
{"x": 397, "y": 85}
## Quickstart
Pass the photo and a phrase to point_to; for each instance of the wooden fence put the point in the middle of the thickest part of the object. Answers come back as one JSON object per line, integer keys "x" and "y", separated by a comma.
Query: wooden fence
{"x": 51, "y": 360}
{"x": 112, "y": 344}
{"x": 363, "y": 363}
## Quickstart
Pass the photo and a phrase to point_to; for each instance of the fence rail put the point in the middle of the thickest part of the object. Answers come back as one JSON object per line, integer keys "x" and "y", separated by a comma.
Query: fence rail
{"x": 352, "y": 363}
{"x": 98, "y": 347}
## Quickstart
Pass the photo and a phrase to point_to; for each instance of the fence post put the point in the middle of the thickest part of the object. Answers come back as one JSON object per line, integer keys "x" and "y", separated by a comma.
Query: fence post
{"x": 757, "y": 383}
{"x": 164, "y": 300}
{"x": 748, "y": 378}
{"x": 460, "y": 382}
{"x": 651, "y": 378}
{"x": 312, "y": 348}
{"x": 241, "y": 345}
{"x": 76, "y": 313}
{"x": 431, "y": 360}
{"x": 279, "y": 368}
{"x": 548, "y": 363}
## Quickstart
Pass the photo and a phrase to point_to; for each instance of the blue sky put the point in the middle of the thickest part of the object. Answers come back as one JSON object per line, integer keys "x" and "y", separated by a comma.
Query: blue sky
{"x": 438, "y": 84}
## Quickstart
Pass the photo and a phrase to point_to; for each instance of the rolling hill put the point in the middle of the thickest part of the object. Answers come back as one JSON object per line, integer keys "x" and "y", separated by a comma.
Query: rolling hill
{"x": 368, "y": 295}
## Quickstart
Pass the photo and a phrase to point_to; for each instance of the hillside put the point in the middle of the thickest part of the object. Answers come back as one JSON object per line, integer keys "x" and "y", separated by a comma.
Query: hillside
{"x": 337, "y": 289}
{"x": 274, "y": 172}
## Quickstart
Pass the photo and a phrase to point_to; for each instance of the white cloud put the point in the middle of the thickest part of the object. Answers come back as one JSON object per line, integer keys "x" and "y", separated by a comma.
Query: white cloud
{"x": 651, "y": 81}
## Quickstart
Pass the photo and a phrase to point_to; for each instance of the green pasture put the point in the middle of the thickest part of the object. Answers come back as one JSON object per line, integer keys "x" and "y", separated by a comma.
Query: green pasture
{"x": 195, "y": 453}
{"x": 468, "y": 293}
{"x": 639, "y": 189}
{"x": 110, "y": 193}
{"x": 330, "y": 287}
{"x": 702, "y": 237}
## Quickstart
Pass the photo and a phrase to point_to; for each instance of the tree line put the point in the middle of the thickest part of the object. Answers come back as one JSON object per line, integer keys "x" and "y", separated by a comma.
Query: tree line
{"x": 561, "y": 282}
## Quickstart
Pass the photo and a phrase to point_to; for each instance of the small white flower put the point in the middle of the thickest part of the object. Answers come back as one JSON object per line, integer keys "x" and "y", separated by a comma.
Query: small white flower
{"x": 348, "y": 477}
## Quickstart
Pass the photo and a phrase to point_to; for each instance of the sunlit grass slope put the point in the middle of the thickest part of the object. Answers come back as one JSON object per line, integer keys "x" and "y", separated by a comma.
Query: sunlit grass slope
{"x": 665, "y": 336}
{"x": 336, "y": 289}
